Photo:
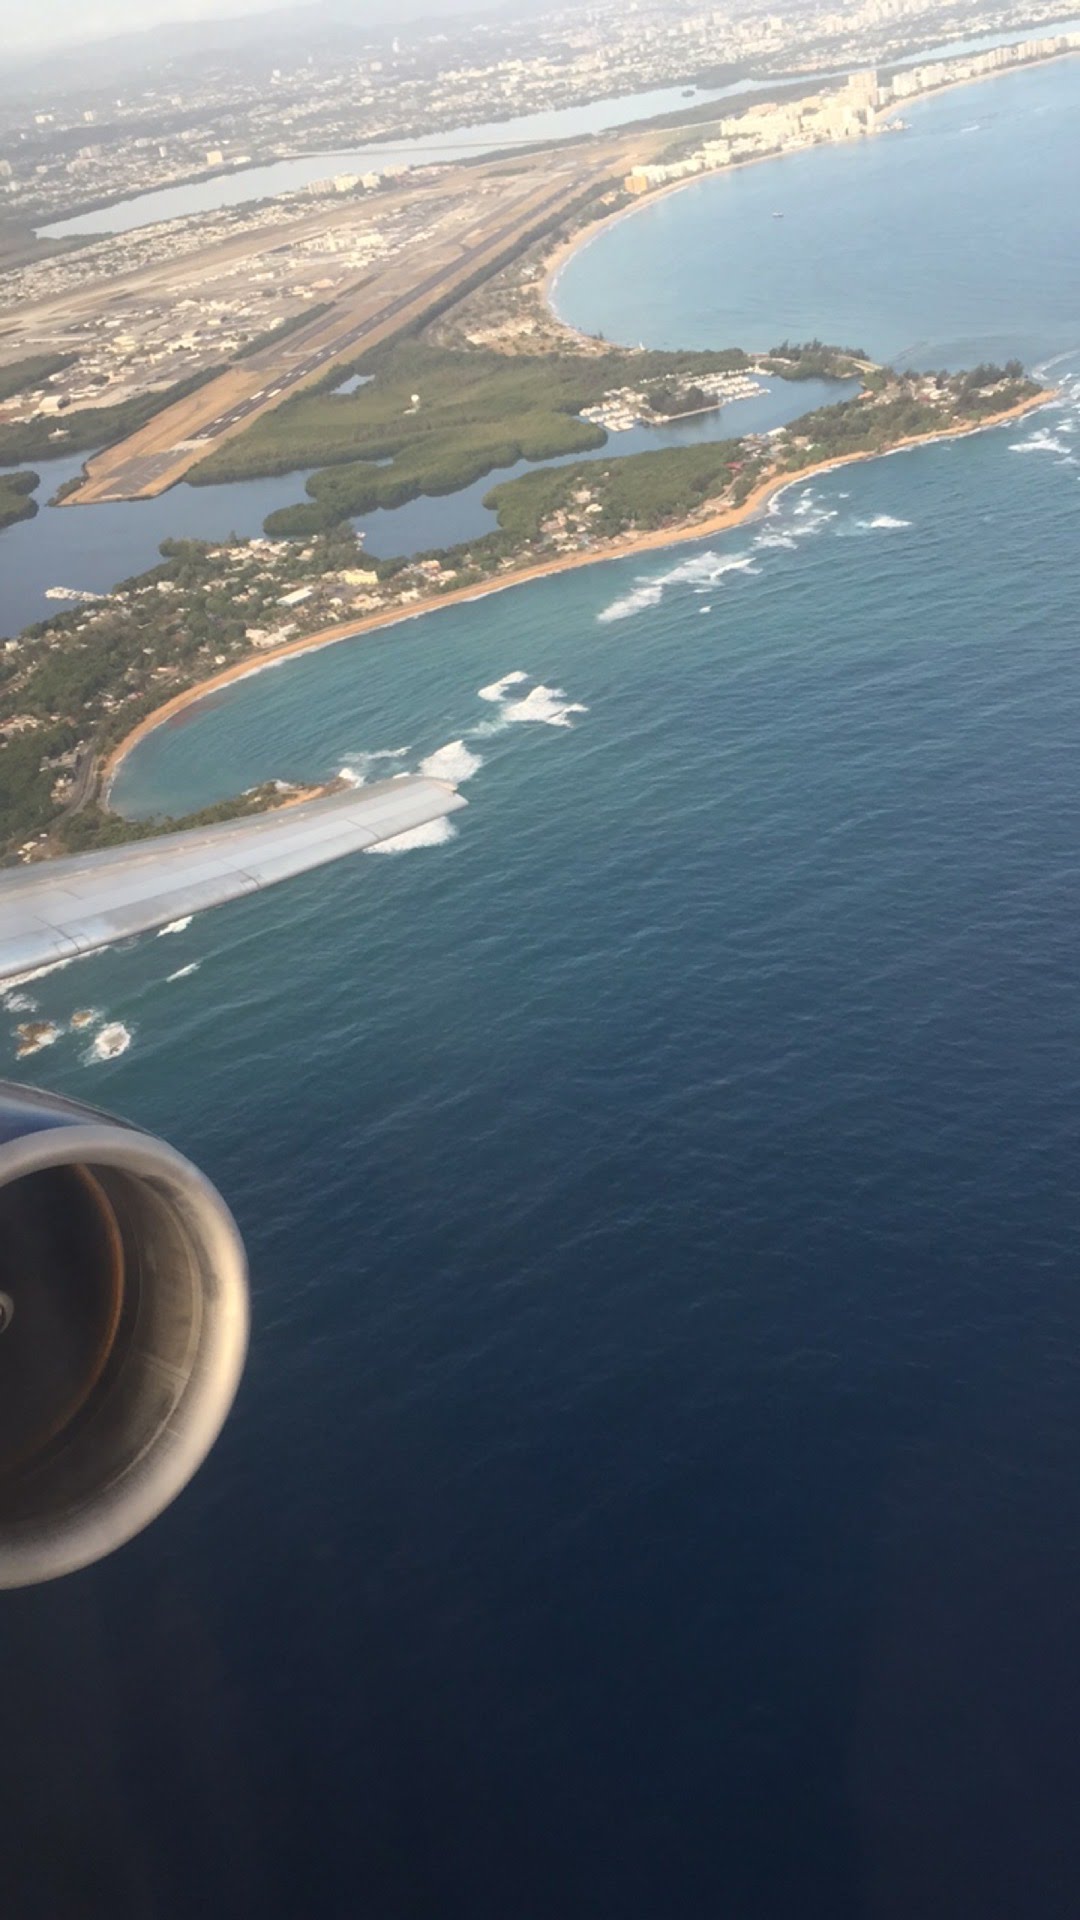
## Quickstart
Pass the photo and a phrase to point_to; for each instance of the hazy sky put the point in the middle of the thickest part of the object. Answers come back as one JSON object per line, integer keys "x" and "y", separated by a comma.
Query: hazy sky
{"x": 58, "y": 22}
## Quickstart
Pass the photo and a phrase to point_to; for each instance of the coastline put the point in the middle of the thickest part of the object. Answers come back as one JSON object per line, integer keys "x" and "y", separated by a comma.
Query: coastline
{"x": 578, "y": 242}
{"x": 710, "y": 524}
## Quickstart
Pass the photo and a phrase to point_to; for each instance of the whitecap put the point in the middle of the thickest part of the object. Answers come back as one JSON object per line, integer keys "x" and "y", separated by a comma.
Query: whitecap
{"x": 705, "y": 570}
{"x": 182, "y": 973}
{"x": 112, "y": 1041}
{"x": 176, "y": 926}
{"x": 39, "y": 973}
{"x": 453, "y": 762}
{"x": 882, "y": 520}
{"x": 547, "y": 705}
{"x": 1042, "y": 441}
{"x": 433, "y": 833}
{"x": 787, "y": 540}
{"x": 356, "y": 770}
{"x": 19, "y": 1003}
{"x": 498, "y": 688}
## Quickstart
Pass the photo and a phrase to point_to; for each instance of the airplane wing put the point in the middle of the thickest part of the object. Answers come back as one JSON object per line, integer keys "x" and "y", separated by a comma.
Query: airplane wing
{"x": 61, "y": 908}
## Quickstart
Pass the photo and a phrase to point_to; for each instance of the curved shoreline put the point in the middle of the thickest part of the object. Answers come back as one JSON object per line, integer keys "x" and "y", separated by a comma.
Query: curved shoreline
{"x": 579, "y": 242}
{"x": 722, "y": 521}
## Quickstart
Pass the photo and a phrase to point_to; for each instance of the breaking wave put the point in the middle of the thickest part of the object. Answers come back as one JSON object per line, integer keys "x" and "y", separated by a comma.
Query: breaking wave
{"x": 434, "y": 833}
{"x": 498, "y": 688}
{"x": 882, "y": 520}
{"x": 176, "y": 926}
{"x": 706, "y": 570}
{"x": 547, "y": 705}
{"x": 39, "y": 973}
{"x": 452, "y": 762}
{"x": 356, "y": 769}
{"x": 182, "y": 973}
{"x": 1041, "y": 441}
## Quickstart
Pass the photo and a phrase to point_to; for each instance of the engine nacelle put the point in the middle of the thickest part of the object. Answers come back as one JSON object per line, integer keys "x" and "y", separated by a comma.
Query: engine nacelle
{"x": 123, "y": 1331}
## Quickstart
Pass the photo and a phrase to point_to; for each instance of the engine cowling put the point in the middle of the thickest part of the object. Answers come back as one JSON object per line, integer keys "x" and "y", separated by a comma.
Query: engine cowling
{"x": 123, "y": 1331}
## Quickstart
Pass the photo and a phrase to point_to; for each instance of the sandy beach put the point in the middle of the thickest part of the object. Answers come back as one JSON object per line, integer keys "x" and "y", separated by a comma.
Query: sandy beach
{"x": 703, "y": 527}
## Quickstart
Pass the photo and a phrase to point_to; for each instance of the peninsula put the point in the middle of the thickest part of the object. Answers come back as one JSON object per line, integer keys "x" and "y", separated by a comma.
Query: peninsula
{"x": 78, "y": 691}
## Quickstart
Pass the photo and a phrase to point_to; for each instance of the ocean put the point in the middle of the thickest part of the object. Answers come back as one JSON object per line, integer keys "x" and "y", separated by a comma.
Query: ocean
{"x": 655, "y": 1489}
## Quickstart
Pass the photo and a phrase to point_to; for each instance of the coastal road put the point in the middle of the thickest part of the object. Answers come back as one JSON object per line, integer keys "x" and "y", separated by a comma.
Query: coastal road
{"x": 163, "y": 451}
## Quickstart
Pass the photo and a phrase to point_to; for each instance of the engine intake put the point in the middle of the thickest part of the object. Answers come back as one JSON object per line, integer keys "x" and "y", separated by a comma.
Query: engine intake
{"x": 123, "y": 1331}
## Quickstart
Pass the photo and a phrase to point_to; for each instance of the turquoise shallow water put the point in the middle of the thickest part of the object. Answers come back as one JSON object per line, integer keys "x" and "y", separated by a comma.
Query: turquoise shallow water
{"x": 655, "y": 1486}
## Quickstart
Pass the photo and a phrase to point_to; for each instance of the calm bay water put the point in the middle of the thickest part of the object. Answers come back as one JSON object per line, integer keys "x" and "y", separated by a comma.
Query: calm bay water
{"x": 656, "y": 1487}
{"x": 458, "y": 143}
{"x": 930, "y": 247}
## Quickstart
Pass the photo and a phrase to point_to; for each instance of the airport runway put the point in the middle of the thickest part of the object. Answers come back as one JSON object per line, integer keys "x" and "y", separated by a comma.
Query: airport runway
{"x": 160, "y": 454}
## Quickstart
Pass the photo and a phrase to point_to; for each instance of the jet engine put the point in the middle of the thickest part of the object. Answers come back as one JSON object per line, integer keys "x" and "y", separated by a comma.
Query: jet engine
{"x": 123, "y": 1331}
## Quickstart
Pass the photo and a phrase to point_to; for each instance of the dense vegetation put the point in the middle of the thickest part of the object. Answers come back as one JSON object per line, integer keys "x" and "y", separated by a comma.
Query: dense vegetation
{"x": 23, "y": 375}
{"x": 872, "y": 422}
{"x": 54, "y": 434}
{"x": 813, "y": 360}
{"x": 476, "y": 412}
{"x": 643, "y": 490}
{"x": 16, "y": 501}
{"x": 79, "y": 677}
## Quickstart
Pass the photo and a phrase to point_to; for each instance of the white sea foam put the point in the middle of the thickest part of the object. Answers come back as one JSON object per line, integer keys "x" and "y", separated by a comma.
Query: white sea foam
{"x": 182, "y": 973}
{"x": 356, "y": 770}
{"x": 109, "y": 1043}
{"x": 452, "y": 762}
{"x": 39, "y": 973}
{"x": 705, "y": 570}
{"x": 705, "y": 609}
{"x": 812, "y": 519}
{"x": 1041, "y": 441}
{"x": 776, "y": 540}
{"x": 546, "y": 705}
{"x": 19, "y": 1003}
{"x": 882, "y": 520}
{"x": 434, "y": 833}
{"x": 497, "y": 689}
{"x": 176, "y": 926}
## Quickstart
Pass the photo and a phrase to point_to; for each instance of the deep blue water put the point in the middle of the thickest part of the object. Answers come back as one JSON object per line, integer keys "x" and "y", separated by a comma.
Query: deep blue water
{"x": 656, "y": 1485}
